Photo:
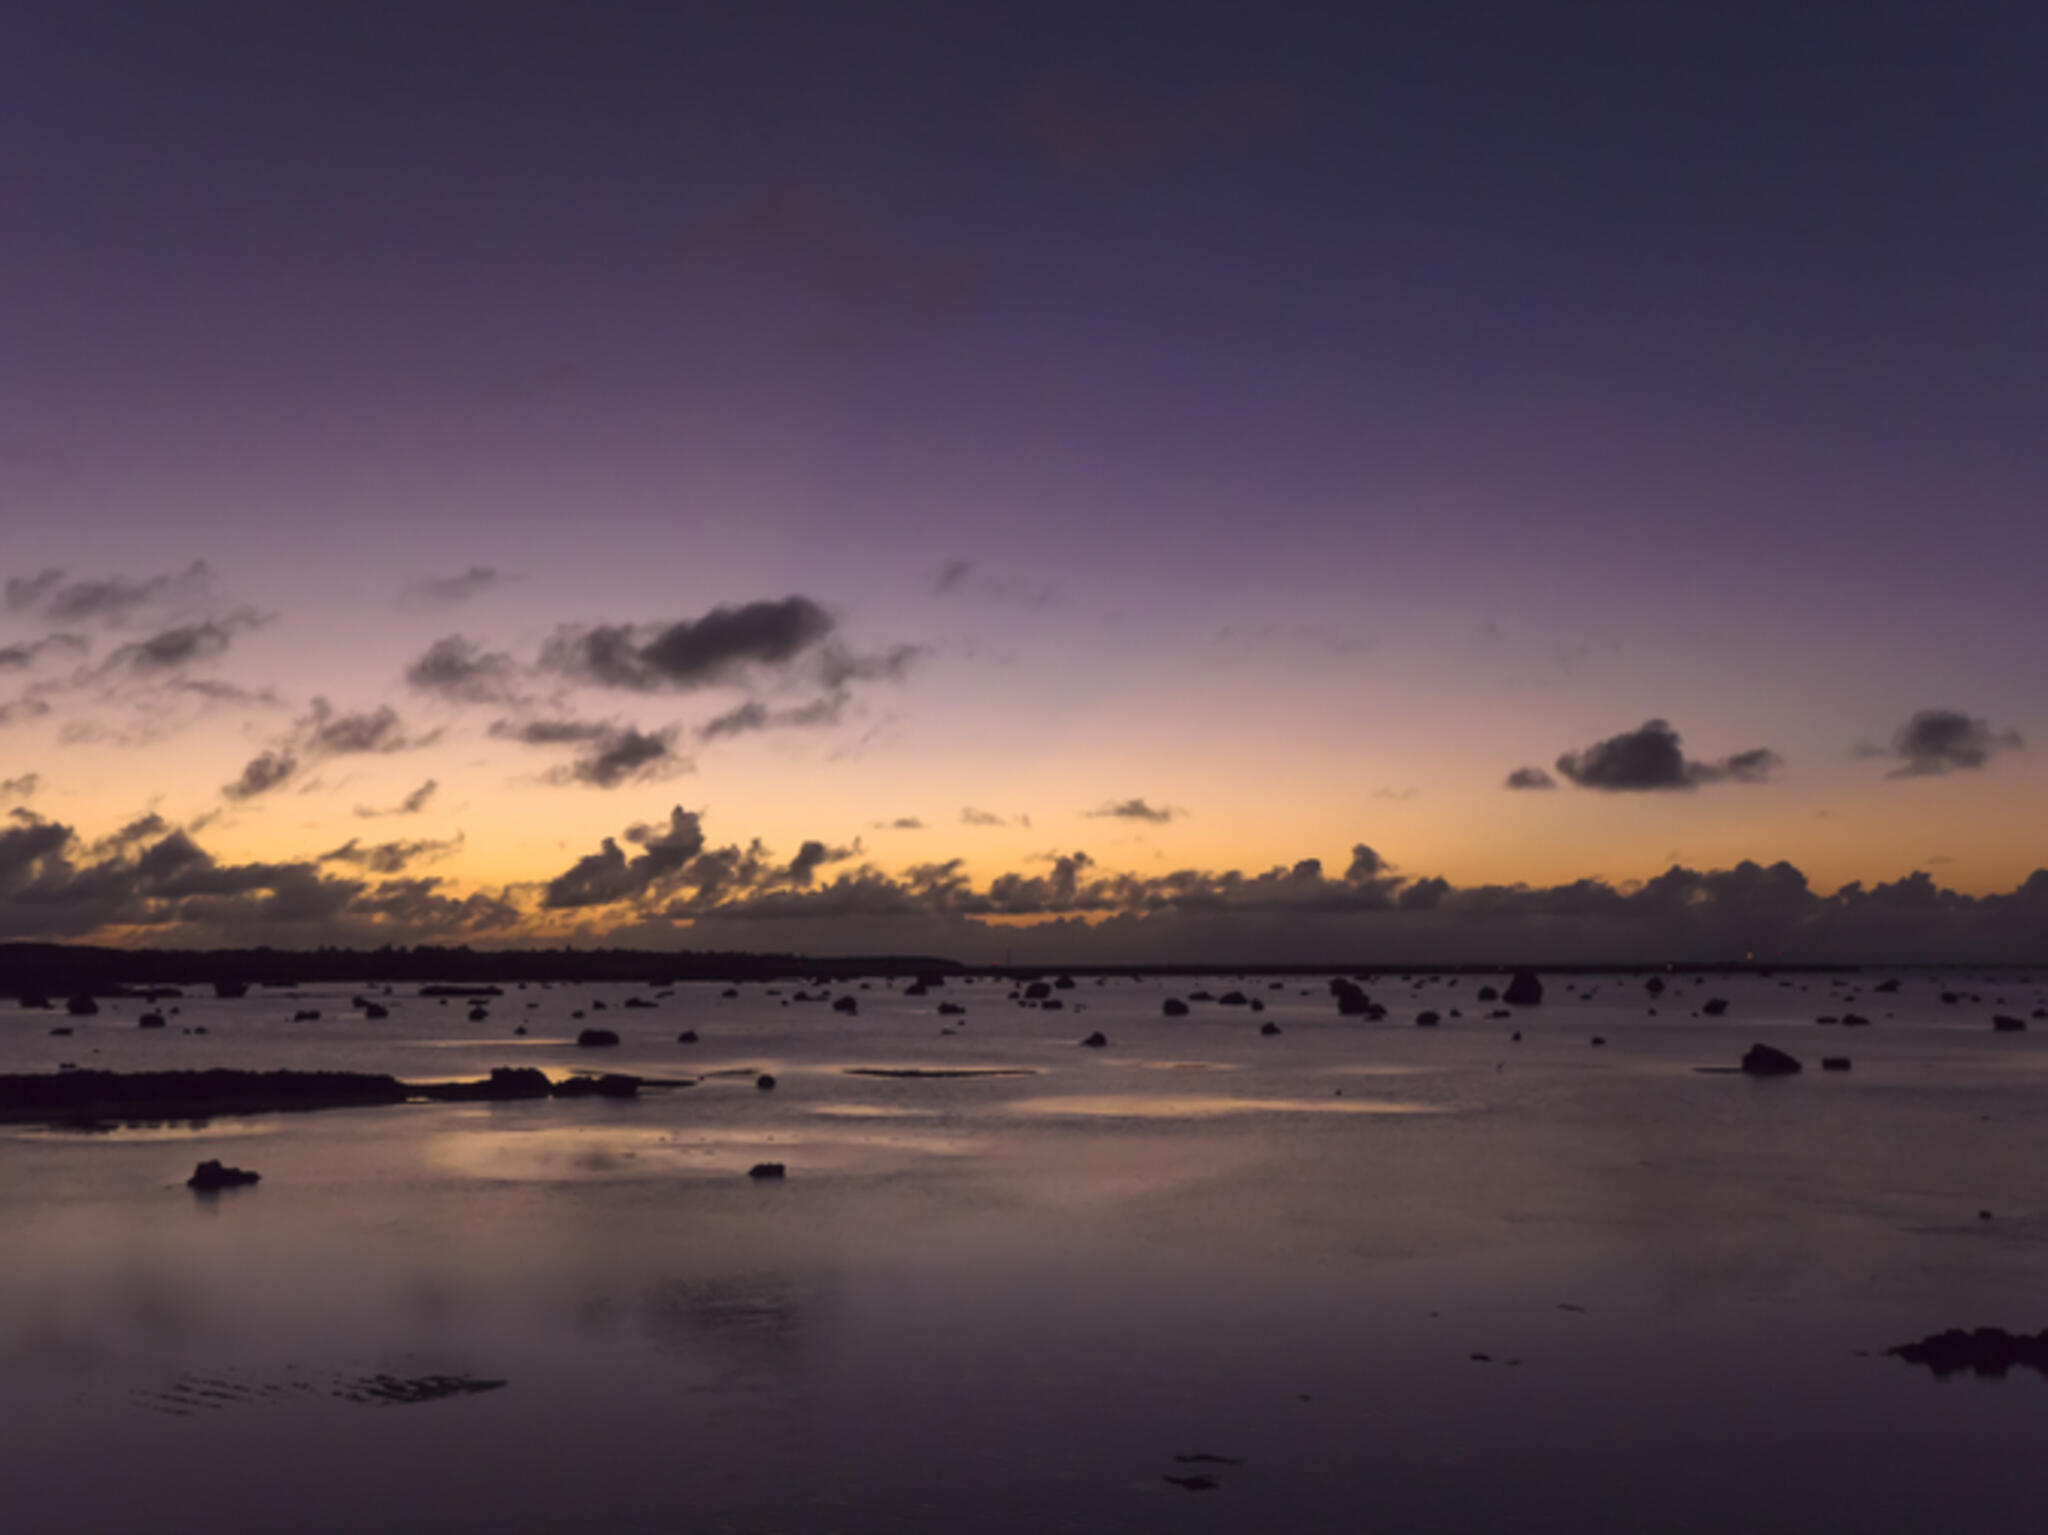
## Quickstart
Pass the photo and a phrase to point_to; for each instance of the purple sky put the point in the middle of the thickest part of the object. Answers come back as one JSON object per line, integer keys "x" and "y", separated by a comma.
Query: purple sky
{"x": 1291, "y": 421}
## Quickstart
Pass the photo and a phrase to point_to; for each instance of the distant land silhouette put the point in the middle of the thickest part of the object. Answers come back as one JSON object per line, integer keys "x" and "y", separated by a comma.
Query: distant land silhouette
{"x": 49, "y": 969}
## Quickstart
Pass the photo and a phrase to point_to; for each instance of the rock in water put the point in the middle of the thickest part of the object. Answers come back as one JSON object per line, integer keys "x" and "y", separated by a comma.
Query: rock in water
{"x": 2005, "y": 1025}
{"x": 1524, "y": 990}
{"x": 1764, "y": 1061}
{"x": 1834, "y": 1063}
{"x": 767, "y": 1170}
{"x": 1096, "y": 1040}
{"x": 592, "y": 1039}
{"x": 1714, "y": 1007}
{"x": 1988, "y": 1351}
{"x": 766, "y": 1082}
{"x": 211, "y": 1175}
{"x": 1173, "y": 1007}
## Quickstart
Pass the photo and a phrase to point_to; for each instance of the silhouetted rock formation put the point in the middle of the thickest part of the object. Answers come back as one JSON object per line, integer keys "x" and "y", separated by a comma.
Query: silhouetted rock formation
{"x": 612, "y": 1084}
{"x": 767, "y": 1170}
{"x": 211, "y": 1175}
{"x": 1714, "y": 1007}
{"x": 1268, "y": 1030}
{"x": 1764, "y": 1061}
{"x": 1524, "y": 990}
{"x": 1427, "y": 1020}
{"x": 765, "y": 1082}
{"x": 1834, "y": 1063}
{"x": 687, "y": 1037}
{"x": 81, "y": 1007}
{"x": 1988, "y": 1351}
{"x": 150, "y": 1021}
{"x": 1037, "y": 991}
{"x": 1232, "y": 999}
{"x": 1855, "y": 1021}
{"x": 952, "y": 1010}
{"x": 1096, "y": 1040}
{"x": 1489, "y": 994}
{"x": 595, "y": 1039}
{"x": 2004, "y": 1025}
{"x": 848, "y": 1005}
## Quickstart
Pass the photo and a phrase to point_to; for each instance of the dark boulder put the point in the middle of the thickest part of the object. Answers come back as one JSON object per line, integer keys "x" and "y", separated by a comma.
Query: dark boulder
{"x": 211, "y": 1175}
{"x": 81, "y": 1007}
{"x": 846, "y": 1005}
{"x": 1855, "y": 1021}
{"x": 375, "y": 1012}
{"x": 2004, "y": 1025}
{"x": 952, "y": 1009}
{"x": 1268, "y": 1030}
{"x": 1524, "y": 990}
{"x": 1037, "y": 991}
{"x": 1427, "y": 1020}
{"x": 1764, "y": 1061}
{"x": 687, "y": 1037}
{"x": 1714, "y": 1007}
{"x": 1232, "y": 999}
{"x": 640, "y": 1002}
{"x": 767, "y": 1170}
{"x": 1989, "y": 1351}
{"x": 1489, "y": 994}
{"x": 765, "y": 1082}
{"x": 1096, "y": 1040}
{"x": 150, "y": 1021}
{"x": 593, "y": 1039}
{"x": 306, "y": 1015}
{"x": 1654, "y": 986}
{"x": 1834, "y": 1063}
{"x": 229, "y": 991}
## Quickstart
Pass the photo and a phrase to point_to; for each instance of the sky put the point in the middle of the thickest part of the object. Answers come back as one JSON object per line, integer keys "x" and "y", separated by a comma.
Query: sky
{"x": 1105, "y": 483}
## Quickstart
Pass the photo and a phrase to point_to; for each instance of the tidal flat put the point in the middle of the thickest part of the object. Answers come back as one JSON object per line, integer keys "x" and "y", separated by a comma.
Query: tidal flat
{"x": 1355, "y": 1274}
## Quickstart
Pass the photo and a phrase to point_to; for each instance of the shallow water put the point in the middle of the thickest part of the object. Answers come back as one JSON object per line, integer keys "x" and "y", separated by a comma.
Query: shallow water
{"x": 1010, "y": 1302}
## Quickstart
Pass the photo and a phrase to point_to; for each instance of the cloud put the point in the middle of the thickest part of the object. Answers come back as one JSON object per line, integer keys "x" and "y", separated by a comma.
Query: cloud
{"x": 624, "y": 755}
{"x": 1530, "y": 778}
{"x": 609, "y": 876}
{"x": 901, "y": 823}
{"x": 412, "y": 804}
{"x": 51, "y": 886}
{"x": 753, "y": 715}
{"x": 23, "y": 787}
{"x": 390, "y": 857}
{"x": 325, "y": 732}
{"x": 966, "y": 579}
{"x": 24, "y": 656}
{"x": 473, "y": 582}
{"x": 461, "y": 670}
{"x": 719, "y": 647}
{"x": 26, "y": 707}
{"x": 1135, "y": 810}
{"x": 969, "y": 816}
{"x": 549, "y": 732}
{"x": 837, "y": 666}
{"x": 53, "y": 596}
{"x": 1650, "y": 758}
{"x": 262, "y": 774}
{"x": 1936, "y": 741}
{"x": 173, "y": 649}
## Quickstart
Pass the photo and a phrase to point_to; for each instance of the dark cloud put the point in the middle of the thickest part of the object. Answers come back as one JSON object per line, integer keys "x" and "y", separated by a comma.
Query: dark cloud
{"x": 1530, "y": 778}
{"x": 693, "y": 652}
{"x": 622, "y": 756}
{"x": 59, "y": 599}
{"x": 412, "y": 804}
{"x": 262, "y": 774}
{"x": 326, "y": 732}
{"x": 1135, "y": 810}
{"x": 753, "y": 715}
{"x": 23, "y": 787}
{"x": 390, "y": 857}
{"x": 609, "y": 876}
{"x": 173, "y": 649}
{"x": 461, "y": 670}
{"x": 26, "y": 707}
{"x": 901, "y": 823}
{"x": 171, "y": 888}
{"x": 969, "y": 816}
{"x": 473, "y": 582}
{"x": 550, "y": 732}
{"x": 1937, "y": 741}
{"x": 1366, "y": 864}
{"x": 1651, "y": 758}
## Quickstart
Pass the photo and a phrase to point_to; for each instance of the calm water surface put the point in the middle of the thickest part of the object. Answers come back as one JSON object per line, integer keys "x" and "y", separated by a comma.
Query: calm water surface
{"x": 1011, "y": 1302}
